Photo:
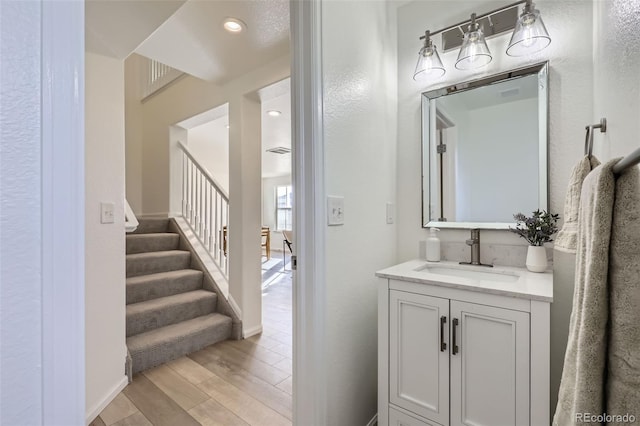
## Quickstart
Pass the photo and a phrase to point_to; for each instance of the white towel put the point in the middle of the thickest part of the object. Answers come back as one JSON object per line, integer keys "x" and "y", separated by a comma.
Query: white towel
{"x": 566, "y": 240}
{"x": 623, "y": 357}
{"x": 582, "y": 385}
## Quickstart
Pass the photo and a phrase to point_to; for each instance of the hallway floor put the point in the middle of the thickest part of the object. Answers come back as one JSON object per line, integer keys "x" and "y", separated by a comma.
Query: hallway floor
{"x": 245, "y": 382}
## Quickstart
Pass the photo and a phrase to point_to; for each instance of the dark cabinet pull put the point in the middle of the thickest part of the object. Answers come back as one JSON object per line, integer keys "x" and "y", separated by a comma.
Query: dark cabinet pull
{"x": 443, "y": 345}
{"x": 454, "y": 348}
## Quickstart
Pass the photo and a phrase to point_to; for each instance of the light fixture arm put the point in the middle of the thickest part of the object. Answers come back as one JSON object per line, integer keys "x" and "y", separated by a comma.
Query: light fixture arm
{"x": 478, "y": 17}
{"x": 473, "y": 26}
{"x": 427, "y": 38}
{"x": 528, "y": 7}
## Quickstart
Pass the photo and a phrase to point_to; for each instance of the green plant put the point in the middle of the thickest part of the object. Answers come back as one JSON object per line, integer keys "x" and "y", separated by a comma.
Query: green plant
{"x": 536, "y": 229}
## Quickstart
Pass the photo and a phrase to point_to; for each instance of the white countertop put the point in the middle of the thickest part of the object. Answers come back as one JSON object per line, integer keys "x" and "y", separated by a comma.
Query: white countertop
{"x": 529, "y": 285}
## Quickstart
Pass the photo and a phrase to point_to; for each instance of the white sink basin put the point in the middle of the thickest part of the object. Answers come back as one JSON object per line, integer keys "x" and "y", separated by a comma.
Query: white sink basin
{"x": 471, "y": 272}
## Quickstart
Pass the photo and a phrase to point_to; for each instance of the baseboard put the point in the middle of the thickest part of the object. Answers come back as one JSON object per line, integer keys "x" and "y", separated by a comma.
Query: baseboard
{"x": 159, "y": 215}
{"x": 373, "y": 421}
{"x": 107, "y": 400}
{"x": 234, "y": 306}
{"x": 246, "y": 333}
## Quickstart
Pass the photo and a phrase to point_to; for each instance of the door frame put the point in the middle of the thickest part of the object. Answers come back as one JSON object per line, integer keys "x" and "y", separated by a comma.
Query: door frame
{"x": 63, "y": 213}
{"x": 309, "y": 298}
{"x": 63, "y": 210}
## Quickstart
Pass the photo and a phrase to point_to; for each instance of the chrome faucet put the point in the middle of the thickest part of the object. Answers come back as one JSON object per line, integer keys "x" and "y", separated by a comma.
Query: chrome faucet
{"x": 474, "y": 242}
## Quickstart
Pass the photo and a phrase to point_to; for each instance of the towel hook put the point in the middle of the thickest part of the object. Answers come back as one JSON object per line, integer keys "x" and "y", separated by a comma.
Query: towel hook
{"x": 588, "y": 141}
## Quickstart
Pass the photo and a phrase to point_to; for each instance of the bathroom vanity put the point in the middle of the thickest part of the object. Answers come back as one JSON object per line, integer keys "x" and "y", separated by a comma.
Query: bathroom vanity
{"x": 463, "y": 345}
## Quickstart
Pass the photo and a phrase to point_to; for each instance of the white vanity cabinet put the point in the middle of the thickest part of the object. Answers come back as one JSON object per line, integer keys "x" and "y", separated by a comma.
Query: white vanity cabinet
{"x": 454, "y": 351}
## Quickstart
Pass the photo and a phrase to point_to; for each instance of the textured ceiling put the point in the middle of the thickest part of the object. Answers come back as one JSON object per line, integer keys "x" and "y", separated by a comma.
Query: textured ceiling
{"x": 116, "y": 27}
{"x": 188, "y": 35}
{"x": 194, "y": 41}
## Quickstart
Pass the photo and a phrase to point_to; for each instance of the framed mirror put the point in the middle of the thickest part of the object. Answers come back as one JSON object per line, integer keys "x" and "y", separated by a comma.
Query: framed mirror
{"x": 484, "y": 150}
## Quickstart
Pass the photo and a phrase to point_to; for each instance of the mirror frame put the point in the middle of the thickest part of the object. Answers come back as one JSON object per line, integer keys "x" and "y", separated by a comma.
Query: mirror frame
{"x": 428, "y": 150}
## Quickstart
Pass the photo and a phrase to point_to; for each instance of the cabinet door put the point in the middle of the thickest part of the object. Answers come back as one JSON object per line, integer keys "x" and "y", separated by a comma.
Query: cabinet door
{"x": 490, "y": 366}
{"x": 419, "y": 355}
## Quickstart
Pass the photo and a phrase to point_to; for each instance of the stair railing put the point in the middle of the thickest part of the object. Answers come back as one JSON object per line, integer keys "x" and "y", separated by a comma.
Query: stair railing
{"x": 205, "y": 207}
{"x": 155, "y": 76}
{"x": 130, "y": 219}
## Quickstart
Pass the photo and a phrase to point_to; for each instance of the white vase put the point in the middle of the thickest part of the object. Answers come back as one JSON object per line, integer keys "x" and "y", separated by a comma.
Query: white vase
{"x": 536, "y": 259}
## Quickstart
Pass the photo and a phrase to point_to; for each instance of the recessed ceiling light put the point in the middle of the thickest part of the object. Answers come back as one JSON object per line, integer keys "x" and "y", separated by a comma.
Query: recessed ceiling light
{"x": 273, "y": 113}
{"x": 233, "y": 25}
{"x": 228, "y": 126}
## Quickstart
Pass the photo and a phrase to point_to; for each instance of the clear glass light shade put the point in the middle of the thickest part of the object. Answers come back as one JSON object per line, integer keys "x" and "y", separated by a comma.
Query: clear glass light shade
{"x": 429, "y": 66}
{"x": 474, "y": 52}
{"x": 529, "y": 36}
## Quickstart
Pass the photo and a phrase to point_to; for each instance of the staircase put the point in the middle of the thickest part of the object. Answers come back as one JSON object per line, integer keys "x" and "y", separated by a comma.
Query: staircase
{"x": 172, "y": 305}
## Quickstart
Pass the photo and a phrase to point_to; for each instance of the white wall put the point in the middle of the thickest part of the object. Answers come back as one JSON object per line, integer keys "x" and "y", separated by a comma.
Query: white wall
{"x": 21, "y": 265}
{"x": 571, "y": 107}
{"x": 209, "y": 144}
{"x": 616, "y": 60}
{"x": 133, "y": 134}
{"x": 269, "y": 208}
{"x": 359, "y": 78}
{"x": 186, "y": 98}
{"x": 244, "y": 210}
{"x": 105, "y": 243}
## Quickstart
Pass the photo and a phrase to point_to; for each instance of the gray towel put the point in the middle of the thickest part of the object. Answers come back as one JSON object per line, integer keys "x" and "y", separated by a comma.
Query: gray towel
{"x": 582, "y": 385}
{"x": 566, "y": 240}
{"x": 623, "y": 358}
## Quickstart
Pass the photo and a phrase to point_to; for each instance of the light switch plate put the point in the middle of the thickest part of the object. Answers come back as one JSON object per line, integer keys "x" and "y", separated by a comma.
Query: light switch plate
{"x": 390, "y": 213}
{"x": 335, "y": 210}
{"x": 106, "y": 212}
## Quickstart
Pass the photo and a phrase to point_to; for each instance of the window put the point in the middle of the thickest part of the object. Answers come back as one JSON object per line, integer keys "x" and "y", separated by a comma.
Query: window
{"x": 284, "y": 204}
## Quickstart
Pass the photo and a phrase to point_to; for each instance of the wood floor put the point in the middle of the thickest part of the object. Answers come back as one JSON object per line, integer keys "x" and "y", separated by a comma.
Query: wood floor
{"x": 244, "y": 382}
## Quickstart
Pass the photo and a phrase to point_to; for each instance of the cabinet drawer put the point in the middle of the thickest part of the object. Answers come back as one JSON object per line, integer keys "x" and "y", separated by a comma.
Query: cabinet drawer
{"x": 398, "y": 418}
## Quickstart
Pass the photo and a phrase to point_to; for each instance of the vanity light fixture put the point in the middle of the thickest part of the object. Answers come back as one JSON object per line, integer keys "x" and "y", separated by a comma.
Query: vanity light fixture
{"x": 429, "y": 66}
{"x": 233, "y": 25}
{"x": 474, "y": 52}
{"x": 273, "y": 113}
{"x": 529, "y": 36}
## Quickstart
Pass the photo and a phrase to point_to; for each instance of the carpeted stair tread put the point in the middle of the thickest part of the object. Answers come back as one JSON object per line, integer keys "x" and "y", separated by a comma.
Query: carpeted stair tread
{"x": 157, "y": 261}
{"x": 162, "y": 284}
{"x": 142, "y": 243}
{"x": 156, "y": 313}
{"x": 146, "y": 226}
{"x": 173, "y": 341}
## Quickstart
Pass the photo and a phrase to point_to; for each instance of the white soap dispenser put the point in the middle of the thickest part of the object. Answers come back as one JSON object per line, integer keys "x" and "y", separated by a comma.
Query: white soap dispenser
{"x": 433, "y": 246}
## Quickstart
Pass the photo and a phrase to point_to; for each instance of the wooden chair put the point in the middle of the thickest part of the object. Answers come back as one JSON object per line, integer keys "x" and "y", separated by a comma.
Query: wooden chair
{"x": 287, "y": 238}
{"x": 266, "y": 234}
